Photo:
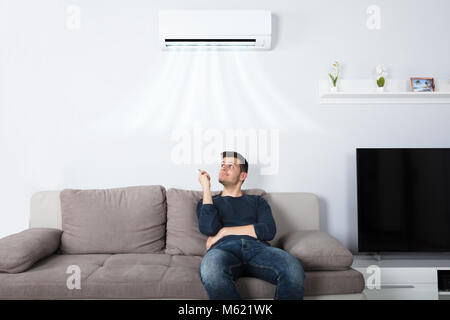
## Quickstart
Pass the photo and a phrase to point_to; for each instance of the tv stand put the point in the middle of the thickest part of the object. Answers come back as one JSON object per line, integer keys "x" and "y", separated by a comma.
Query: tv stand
{"x": 416, "y": 256}
{"x": 399, "y": 276}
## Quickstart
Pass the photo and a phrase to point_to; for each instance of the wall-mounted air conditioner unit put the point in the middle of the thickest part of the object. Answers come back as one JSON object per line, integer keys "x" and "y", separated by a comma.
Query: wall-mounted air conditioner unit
{"x": 246, "y": 29}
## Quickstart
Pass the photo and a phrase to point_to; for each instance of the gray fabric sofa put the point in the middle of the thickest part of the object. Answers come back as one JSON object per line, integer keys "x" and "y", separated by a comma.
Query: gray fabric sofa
{"x": 143, "y": 242}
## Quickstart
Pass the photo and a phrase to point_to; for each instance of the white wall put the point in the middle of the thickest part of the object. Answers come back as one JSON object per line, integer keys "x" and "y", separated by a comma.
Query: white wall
{"x": 95, "y": 107}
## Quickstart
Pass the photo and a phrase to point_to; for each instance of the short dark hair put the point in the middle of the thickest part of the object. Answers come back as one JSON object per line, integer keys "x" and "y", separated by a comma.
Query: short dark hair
{"x": 243, "y": 164}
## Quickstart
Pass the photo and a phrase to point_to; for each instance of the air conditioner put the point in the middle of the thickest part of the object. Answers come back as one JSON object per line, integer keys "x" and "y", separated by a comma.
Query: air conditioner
{"x": 222, "y": 29}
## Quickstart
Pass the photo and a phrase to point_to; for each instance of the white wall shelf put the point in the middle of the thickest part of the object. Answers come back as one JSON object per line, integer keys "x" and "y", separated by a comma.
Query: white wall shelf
{"x": 397, "y": 92}
{"x": 384, "y": 97}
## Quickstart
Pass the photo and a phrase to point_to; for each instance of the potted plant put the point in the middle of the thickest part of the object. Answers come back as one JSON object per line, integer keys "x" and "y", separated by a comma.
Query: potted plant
{"x": 381, "y": 81}
{"x": 334, "y": 75}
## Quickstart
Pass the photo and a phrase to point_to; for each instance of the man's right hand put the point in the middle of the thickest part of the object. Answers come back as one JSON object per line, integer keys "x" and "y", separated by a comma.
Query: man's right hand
{"x": 205, "y": 180}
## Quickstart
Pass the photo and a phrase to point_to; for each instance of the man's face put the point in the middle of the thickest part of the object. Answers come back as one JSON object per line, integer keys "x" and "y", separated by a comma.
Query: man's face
{"x": 230, "y": 172}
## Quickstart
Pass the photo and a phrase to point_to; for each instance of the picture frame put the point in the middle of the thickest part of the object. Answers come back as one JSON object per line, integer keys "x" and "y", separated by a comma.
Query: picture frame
{"x": 421, "y": 84}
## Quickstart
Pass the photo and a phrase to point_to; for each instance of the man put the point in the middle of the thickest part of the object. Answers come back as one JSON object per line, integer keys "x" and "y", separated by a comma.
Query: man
{"x": 239, "y": 227}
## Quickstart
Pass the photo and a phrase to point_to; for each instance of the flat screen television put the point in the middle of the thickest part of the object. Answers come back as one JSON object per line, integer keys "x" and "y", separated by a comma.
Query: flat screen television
{"x": 403, "y": 200}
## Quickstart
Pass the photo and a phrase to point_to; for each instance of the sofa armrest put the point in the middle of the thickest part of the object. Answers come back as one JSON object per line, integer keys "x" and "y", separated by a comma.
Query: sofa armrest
{"x": 317, "y": 250}
{"x": 20, "y": 251}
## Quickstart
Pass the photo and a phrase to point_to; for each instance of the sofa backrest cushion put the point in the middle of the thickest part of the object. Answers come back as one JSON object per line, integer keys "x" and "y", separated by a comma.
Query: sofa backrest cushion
{"x": 183, "y": 236}
{"x": 118, "y": 220}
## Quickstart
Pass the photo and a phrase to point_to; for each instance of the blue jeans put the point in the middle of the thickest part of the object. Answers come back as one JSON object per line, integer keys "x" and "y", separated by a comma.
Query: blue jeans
{"x": 227, "y": 261}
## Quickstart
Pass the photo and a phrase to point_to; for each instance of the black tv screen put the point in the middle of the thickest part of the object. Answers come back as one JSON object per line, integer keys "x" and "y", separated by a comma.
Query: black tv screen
{"x": 403, "y": 200}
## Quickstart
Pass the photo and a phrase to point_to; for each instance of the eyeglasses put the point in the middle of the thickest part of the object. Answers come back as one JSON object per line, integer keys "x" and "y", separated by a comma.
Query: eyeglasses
{"x": 227, "y": 166}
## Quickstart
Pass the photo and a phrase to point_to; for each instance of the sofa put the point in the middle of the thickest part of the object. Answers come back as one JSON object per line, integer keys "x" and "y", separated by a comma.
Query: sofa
{"x": 143, "y": 242}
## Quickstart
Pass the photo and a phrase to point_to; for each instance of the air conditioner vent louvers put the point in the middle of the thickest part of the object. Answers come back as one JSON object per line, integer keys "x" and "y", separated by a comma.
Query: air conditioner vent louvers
{"x": 210, "y": 40}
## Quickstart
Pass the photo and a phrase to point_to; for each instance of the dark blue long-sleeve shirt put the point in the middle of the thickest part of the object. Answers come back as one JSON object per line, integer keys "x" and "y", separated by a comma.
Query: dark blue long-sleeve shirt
{"x": 230, "y": 211}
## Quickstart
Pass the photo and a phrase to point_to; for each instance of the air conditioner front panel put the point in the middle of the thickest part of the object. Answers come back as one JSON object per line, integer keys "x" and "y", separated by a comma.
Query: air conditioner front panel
{"x": 250, "y": 28}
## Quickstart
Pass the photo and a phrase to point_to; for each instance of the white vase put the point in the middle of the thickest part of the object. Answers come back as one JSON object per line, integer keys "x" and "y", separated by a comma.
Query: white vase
{"x": 380, "y": 89}
{"x": 333, "y": 89}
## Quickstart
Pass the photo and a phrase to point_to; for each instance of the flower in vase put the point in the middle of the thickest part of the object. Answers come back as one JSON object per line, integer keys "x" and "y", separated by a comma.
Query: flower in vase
{"x": 334, "y": 74}
{"x": 381, "y": 74}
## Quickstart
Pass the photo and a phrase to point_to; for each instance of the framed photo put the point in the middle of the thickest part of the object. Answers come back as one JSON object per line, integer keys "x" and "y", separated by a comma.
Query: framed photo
{"x": 422, "y": 84}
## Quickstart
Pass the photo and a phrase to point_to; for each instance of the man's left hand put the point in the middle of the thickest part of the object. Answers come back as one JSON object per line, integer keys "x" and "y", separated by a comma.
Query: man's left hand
{"x": 213, "y": 239}
{"x": 225, "y": 231}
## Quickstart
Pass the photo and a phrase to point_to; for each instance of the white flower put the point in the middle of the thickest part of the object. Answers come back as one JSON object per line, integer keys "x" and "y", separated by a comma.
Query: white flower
{"x": 381, "y": 71}
{"x": 335, "y": 68}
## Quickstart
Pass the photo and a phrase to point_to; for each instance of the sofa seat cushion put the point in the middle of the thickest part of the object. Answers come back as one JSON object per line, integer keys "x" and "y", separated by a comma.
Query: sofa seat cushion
{"x": 118, "y": 220}
{"x": 183, "y": 234}
{"x": 149, "y": 276}
{"x": 334, "y": 282}
{"x": 316, "y": 283}
{"x": 47, "y": 279}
